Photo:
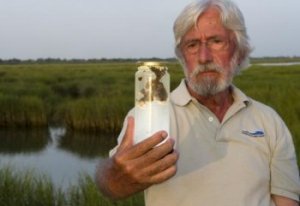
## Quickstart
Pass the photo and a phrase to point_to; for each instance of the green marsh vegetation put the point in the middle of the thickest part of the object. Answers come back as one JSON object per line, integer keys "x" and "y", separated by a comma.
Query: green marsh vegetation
{"x": 27, "y": 188}
{"x": 95, "y": 98}
{"x": 91, "y": 97}
{"x": 79, "y": 96}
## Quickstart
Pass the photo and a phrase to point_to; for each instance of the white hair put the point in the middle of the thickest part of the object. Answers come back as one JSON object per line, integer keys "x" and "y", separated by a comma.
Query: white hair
{"x": 231, "y": 17}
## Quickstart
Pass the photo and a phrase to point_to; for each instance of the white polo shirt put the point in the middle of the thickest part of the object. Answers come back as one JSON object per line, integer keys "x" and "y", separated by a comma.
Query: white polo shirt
{"x": 238, "y": 162}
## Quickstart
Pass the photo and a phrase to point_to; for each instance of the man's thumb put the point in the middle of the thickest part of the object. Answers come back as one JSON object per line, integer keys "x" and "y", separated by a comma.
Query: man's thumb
{"x": 127, "y": 140}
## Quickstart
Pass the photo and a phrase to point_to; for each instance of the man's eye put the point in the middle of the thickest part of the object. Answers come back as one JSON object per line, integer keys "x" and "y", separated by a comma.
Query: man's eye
{"x": 216, "y": 41}
{"x": 191, "y": 45}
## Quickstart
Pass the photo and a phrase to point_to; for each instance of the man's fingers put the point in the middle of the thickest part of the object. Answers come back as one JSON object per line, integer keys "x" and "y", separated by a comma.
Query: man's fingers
{"x": 163, "y": 169}
{"x": 148, "y": 144}
{"x": 157, "y": 152}
{"x": 162, "y": 164}
{"x": 164, "y": 175}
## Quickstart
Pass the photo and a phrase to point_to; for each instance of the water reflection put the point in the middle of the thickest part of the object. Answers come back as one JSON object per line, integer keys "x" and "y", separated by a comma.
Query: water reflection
{"x": 61, "y": 155}
{"x": 86, "y": 145}
{"x": 23, "y": 140}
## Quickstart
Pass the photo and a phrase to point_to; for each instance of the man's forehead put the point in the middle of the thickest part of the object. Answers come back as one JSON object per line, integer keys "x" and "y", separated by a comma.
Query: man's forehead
{"x": 209, "y": 23}
{"x": 210, "y": 16}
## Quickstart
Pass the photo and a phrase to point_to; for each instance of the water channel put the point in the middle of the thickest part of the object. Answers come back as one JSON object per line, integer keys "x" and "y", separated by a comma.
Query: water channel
{"x": 61, "y": 155}
{"x": 279, "y": 64}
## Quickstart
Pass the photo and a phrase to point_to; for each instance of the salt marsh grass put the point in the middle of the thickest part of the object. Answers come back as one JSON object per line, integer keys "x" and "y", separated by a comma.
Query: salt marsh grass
{"x": 27, "y": 188}
{"x": 79, "y": 96}
{"x": 26, "y": 111}
{"x": 91, "y": 97}
{"x": 96, "y": 97}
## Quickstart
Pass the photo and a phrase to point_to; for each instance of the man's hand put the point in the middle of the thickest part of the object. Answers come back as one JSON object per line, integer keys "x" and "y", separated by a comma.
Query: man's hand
{"x": 134, "y": 168}
{"x": 284, "y": 201}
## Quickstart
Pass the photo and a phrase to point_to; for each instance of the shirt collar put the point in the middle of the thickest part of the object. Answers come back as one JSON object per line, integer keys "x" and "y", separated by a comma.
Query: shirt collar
{"x": 239, "y": 97}
{"x": 181, "y": 96}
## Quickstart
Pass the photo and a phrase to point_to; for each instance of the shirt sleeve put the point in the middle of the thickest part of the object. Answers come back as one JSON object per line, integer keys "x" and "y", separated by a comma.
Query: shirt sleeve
{"x": 284, "y": 169}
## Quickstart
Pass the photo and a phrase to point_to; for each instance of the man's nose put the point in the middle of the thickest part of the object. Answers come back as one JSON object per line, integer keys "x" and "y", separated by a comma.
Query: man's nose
{"x": 205, "y": 55}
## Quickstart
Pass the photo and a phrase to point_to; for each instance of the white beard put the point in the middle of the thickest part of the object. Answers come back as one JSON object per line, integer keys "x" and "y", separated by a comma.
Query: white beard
{"x": 211, "y": 85}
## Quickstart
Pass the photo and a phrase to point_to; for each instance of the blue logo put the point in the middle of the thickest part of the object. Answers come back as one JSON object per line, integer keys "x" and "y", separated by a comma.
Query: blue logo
{"x": 258, "y": 133}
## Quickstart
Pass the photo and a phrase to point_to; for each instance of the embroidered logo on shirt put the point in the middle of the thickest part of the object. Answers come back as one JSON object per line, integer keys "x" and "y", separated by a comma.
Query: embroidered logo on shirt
{"x": 258, "y": 133}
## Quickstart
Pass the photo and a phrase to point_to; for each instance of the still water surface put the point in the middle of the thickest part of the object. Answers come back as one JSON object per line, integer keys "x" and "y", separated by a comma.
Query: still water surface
{"x": 279, "y": 64}
{"x": 61, "y": 155}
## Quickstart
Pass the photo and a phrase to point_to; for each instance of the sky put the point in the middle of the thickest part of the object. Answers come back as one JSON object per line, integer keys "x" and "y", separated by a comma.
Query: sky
{"x": 31, "y": 29}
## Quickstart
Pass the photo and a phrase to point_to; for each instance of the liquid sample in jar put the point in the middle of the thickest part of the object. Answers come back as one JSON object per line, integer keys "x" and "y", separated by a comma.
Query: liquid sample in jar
{"x": 152, "y": 89}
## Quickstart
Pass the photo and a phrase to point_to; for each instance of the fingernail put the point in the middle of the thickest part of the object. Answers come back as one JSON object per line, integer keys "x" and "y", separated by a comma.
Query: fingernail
{"x": 164, "y": 134}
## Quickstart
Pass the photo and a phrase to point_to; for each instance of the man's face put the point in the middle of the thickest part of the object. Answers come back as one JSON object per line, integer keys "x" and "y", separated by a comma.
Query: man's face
{"x": 209, "y": 53}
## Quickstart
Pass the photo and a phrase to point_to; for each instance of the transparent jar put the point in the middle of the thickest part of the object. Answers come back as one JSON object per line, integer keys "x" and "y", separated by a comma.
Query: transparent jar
{"x": 152, "y": 90}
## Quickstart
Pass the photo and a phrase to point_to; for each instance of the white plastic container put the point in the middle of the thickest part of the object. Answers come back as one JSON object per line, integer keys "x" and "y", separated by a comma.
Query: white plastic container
{"x": 152, "y": 90}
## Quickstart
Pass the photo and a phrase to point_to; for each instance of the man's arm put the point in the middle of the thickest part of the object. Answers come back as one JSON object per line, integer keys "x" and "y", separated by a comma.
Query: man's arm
{"x": 134, "y": 168}
{"x": 284, "y": 201}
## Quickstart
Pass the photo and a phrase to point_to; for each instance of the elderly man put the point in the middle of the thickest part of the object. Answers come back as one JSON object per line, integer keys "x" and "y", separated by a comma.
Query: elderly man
{"x": 226, "y": 148}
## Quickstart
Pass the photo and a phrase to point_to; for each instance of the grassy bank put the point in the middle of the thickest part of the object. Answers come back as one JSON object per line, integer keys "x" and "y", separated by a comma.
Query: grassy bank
{"x": 96, "y": 97}
{"x": 80, "y": 96}
{"x": 30, "y": 189}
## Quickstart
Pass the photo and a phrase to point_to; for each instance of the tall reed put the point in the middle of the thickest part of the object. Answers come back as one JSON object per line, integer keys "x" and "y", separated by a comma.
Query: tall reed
{"x": 95, "y": 114}
{"x": 26, "y": 111}
{"x": 27, "y": 188}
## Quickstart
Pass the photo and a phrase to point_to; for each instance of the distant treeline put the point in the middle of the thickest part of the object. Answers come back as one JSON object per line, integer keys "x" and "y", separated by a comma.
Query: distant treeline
{"x": 80, "y": 61}
{"x": 109, "y": 60}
